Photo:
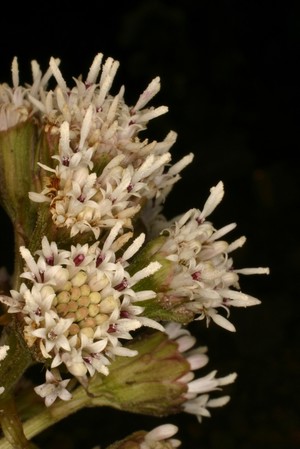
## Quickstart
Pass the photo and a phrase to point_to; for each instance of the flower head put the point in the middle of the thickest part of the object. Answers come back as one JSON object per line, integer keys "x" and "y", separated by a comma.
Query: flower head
{"x": 90, "y": 277}
{"x": 101, "y": 171}
{"x": 201, "y": 277}
{"x": 79, "y": 306}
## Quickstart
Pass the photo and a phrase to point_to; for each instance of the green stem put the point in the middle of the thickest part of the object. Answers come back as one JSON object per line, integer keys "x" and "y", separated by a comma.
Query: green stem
{"x": 19, "y": 173}
{"x": 16, "y": 362}
{"x": 12, "y": 426}
{"x": 52, "y": 415}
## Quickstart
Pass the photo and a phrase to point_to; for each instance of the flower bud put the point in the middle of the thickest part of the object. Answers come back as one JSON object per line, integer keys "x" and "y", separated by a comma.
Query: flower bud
{"x": 160, "y": 438}
{"x": 146, "y": 383}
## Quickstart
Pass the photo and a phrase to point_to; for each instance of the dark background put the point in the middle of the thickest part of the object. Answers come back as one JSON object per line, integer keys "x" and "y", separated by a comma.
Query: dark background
{"x": 229, "y": 73}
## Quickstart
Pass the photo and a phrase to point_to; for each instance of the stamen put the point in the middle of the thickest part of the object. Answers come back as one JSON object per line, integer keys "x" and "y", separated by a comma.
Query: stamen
{"x": 120, "y": 287}
{"x": 52, "y": 335}
{"x": 112, "y": 328}
{"x": 99, "y": 260}
{"x": 200, "y": 220}
{"x": 81, "y": 198}
{"x": 38, "y": 312}
{"x": 66, "y": 161}
{"x": 196, "y": 276}
{"x": 50, "y": 260}
{"x": 78, "y": 259}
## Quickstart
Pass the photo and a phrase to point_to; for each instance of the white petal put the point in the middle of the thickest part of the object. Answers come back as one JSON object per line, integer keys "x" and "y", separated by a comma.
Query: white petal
{"x": 148, "y": 94}
{"x": 145, "y": 272}
{"x": 259, "y": 270}
{"x": 162, "y": 432}
{"x": 94, "y": 69}
{"x": 218, "y": 402}
{"x": 222, "y": 321}
{"x": 134, "y": 247}
{"x": 215, "y": 197}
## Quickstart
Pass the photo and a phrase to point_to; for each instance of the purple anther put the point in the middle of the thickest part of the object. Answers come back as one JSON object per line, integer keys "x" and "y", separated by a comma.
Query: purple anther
{"x": 50, "y": 260}
{"x": 112, "y": 328}
{"x": 120, "y": 287}
{"x": 196, "y": 276}
{"x": 99, "y": 259}
{"x": 81, "y": 198}
{"x": 38, "y": 312}
{"x": 66, "y": 161}
{"x": 78, "y": 259}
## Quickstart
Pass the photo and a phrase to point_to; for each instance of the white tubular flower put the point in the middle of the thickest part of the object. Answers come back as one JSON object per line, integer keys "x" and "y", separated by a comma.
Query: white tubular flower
{"x": 203, "y": 274}
{"x": 103, "y": 173}
{"x": 161, "y": 438}
{"x": 53, "y": 388}
{"x": 15, "y": 104}
{"x": 14, "y": 107}
{"x": 197, "y": 399}
{"x": 52, "y": 336}
{"x": 80, "y": 305}
{"x": 200, "y": 405}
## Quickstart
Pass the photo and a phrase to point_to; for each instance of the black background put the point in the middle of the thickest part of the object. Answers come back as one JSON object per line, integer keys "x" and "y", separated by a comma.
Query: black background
{"x": 229, "y": 73}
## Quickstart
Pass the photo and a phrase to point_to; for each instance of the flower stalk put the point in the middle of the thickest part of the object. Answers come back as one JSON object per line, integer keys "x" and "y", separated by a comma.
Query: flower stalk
{"x": 46, "y": 418}
{"x": 12, "y": 427}
{"x": 134, "y": 384}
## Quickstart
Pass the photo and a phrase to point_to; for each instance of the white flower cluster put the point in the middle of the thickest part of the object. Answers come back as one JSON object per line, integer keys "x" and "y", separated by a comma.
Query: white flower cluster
{"x": 198, "y": 400}
{"x": 203, "y": 271}
{"x": 15, "y": 104}
{"x": 81, "y": 304}
{"x": 102, "y": 172}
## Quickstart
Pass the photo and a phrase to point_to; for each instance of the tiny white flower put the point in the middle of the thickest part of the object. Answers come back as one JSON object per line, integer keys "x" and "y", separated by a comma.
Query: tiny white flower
{"x": 92, "y": 355}
{"x": 52, "y": 335}
{"x": 161, "y": 437}
{"x": 53, "y": 388}
{"x": 199, "y": 406}
{"x": 3, "y": 351}
{"x": 197, "y": 398}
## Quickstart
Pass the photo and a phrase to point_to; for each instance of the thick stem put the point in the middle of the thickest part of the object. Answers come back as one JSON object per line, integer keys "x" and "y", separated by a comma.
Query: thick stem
{"x": 19, "y": 173}
{"x": 12, "y": 426}
{"x": 52, "y": 415}
{"x": 55, "y": 413}
{"x": 16, "y": 362}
